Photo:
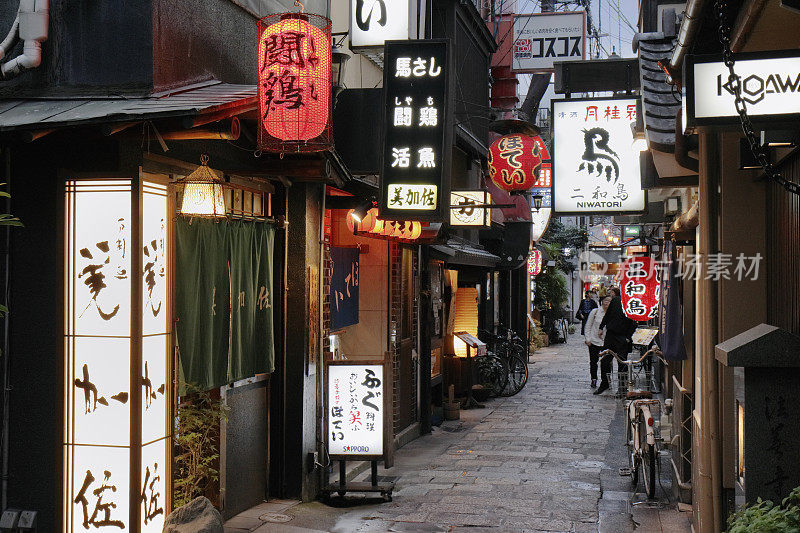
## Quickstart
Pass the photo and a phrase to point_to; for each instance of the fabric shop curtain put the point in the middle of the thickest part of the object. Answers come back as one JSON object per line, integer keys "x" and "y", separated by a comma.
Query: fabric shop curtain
{"x": 223, "y": 301}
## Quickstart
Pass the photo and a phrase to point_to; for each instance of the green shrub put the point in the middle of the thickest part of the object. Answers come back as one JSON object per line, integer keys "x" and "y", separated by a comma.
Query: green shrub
{"x": 766, "y": 517}
{"x": 196, "y": 448}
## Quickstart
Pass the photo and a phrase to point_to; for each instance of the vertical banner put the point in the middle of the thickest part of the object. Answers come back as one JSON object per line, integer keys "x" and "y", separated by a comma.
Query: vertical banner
{"x": 356, "y": 408}
{"x": 415, "y": 168}
{"x": 344, "y": 287}
{"x": 640, "y": 288}
{"x": 670, "y": 308}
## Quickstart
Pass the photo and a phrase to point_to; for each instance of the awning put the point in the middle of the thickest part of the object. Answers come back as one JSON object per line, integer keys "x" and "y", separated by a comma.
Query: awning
{"x": 461, "y": 252}
{"x": 202, "y": 100}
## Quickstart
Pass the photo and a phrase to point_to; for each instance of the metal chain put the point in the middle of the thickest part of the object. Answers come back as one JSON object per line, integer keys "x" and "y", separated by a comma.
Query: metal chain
{"x": 734, "y": 81}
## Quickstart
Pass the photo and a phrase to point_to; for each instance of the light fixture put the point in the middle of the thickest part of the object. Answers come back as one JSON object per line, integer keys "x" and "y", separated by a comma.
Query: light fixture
{"x": 200, "y": 194}
{"x": 361, "y": 210}
{"x": 537, "y": 201}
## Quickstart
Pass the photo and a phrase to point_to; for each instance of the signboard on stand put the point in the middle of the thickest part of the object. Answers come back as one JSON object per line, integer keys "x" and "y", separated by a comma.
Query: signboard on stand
{"x": 596, "y": 166}
{"x": 541, "y": 38}
{"x": 415, "y": 168}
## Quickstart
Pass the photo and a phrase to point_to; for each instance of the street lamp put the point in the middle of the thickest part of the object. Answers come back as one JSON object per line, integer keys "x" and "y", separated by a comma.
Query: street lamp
{"x": 537, "y": 201}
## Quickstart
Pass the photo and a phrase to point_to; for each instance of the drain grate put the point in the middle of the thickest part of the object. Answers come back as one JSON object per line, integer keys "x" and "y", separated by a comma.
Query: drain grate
{"x": 275, "y": 518}
{"x": 387, "y": 479}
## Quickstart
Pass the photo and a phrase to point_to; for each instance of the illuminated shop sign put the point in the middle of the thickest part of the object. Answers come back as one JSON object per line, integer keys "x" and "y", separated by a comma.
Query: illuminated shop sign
{"x": 595, "y": 161}
{"x": 373, "y": 22}
{"x": 414, "y": 165}
{"x": 105, "y": 283}
{"x": 770, "y": 88}
{"x": 640, "y": 288}
{"x": 408, "y": 230}
{"x": 355, "y": 409}
{"x": 467, "y": 208}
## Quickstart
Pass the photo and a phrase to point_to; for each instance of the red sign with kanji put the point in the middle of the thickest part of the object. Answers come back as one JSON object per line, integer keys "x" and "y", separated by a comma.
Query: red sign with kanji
{"x": 640, "y": 288}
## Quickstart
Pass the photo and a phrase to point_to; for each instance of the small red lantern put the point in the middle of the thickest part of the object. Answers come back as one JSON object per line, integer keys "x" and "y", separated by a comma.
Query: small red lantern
{"x": 294, "y": 83}
{"x": 535, "y": 263}
{"x": 640, "y": 288}
{"x": 514, "y": 162}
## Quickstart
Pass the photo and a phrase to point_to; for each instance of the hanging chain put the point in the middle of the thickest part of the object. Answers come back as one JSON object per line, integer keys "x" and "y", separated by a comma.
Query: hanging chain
{"x": 734, "y": 81}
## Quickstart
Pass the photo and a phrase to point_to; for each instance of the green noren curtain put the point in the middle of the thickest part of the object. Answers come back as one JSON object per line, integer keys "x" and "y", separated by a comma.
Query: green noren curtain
{"x": 223, "y": 300}
{"x": 251, "y": 352}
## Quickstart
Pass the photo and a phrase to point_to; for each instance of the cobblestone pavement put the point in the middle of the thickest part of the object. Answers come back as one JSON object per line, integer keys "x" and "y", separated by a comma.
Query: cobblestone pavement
{"x": 545, "y": 460}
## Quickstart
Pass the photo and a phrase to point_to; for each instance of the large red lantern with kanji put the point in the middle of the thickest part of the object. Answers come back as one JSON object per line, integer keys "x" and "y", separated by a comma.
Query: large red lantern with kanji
{"x": 640, "y": 288}
{"x": 514, "y": 162}
{"x": 294, "y": 83}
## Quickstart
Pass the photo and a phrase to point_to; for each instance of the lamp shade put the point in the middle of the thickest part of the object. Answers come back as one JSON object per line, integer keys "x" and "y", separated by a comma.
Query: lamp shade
{"x": 514, "y": 162}
{"x": 201, "y": 194}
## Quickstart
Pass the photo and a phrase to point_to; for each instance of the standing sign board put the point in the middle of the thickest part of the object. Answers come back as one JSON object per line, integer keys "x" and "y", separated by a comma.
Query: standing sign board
{"x": 373, "y": 22}
{"x": 358, "y": 410}
{"x": 770, "y": 88}
{"x": 541, "y": 38}
{"x": 595, "y": 163}
{"x": 415, "y": 167}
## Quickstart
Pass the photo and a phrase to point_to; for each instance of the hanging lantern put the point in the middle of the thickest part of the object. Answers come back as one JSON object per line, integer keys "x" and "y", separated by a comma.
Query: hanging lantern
{"x": 294, "y": 83}
{"x": 514, "y": 162}
{"x": 640, "y": 288}
{"x": 200, "y": 194}
{"x": 535, "y": 263}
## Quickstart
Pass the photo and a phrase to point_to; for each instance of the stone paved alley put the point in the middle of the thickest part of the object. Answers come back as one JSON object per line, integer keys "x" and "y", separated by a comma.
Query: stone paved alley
{"x": 544, "y": 460}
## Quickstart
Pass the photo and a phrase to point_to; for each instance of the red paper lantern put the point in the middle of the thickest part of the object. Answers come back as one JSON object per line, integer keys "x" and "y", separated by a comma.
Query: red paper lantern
{"x": 514, "y": 162}
{"x": 640, "y": 288}
{"x": 294, "y": 82}
{"x": 535, "y": 263}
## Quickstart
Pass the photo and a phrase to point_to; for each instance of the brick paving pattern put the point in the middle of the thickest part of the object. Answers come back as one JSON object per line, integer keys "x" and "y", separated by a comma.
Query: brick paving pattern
{"x": 544, "y": 460}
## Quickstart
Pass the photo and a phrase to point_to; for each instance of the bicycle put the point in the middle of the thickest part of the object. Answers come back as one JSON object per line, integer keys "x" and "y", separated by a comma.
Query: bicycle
{"x": 511, "y": 350}
{"x": 642, "y": 434}
{"x": 493, "y": 373}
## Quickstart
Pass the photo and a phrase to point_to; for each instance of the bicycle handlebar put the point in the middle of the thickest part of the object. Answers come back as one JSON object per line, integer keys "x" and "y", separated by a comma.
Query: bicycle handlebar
{"x": 654, "y": 349}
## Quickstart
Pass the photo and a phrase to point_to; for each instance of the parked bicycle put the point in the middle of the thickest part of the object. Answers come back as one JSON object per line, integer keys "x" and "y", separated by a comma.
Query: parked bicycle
{"x": 643, "y": 435}
{"x": 511, "y": 349}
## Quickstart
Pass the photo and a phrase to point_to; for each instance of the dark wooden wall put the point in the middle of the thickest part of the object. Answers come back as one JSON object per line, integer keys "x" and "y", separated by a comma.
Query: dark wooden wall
{"x": 782, "y": 264}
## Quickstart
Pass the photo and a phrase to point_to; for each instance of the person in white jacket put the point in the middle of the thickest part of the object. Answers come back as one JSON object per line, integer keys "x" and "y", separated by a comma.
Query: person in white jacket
{"x": 593, "y": 336}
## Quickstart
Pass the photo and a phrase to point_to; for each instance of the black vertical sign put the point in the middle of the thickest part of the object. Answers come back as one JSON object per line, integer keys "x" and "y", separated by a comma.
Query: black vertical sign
{"x": 415, "y": 170}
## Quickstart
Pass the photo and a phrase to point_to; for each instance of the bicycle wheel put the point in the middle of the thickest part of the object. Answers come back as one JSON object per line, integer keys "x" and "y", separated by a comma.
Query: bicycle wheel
{"x": 647, "y": 458}
{"x": 492, "y": 373}
{"x": 517, "y": 374}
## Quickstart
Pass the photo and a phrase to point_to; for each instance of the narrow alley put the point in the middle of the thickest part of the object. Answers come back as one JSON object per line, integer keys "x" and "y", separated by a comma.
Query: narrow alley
{"x": 547, "y": 459}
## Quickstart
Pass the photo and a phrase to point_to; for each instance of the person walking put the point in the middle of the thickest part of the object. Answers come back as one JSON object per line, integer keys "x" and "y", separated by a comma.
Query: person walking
{"x": 584, "y": 309}
{"x": 593, "y": 337}
{"x": 617, "y": 337}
